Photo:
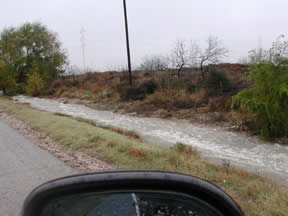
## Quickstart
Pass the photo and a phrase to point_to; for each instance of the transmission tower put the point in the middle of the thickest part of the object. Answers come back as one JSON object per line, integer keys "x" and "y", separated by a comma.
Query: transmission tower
{"x": 83, "y": 46}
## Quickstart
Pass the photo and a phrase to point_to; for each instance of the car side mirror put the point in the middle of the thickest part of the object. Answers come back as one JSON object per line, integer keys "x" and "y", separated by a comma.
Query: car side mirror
{"x": 139, "y": 193}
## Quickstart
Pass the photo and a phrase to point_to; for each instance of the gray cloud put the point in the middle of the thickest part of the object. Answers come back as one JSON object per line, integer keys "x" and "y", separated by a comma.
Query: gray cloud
{"x": 154, "y": 25}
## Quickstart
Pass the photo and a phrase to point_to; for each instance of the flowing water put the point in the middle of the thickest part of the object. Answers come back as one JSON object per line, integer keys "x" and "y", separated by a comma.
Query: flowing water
{"x": 239, "y": 150}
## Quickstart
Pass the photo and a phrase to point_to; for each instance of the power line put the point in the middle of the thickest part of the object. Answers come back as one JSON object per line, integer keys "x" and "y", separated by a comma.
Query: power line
{"x": 83, "y": 46}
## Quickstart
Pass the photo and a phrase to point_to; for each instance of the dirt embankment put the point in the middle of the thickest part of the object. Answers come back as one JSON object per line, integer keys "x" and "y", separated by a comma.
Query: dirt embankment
{"x": 161, "y": 94}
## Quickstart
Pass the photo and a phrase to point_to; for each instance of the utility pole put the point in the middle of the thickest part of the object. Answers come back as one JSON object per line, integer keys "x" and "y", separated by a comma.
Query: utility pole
{"x": 127, "y": 42}
{"x": 83, "y": 45}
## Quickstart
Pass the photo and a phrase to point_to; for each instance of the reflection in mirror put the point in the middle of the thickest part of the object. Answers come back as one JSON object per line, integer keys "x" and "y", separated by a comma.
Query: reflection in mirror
{"x": 128, "y": 204}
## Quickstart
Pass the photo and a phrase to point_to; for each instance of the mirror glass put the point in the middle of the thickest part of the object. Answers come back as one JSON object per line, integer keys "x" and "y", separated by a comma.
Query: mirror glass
{"x": 128, "y": 204}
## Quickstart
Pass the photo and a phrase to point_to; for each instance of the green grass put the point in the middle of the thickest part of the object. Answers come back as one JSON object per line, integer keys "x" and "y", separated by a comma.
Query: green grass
{"x": 256, "y": 196}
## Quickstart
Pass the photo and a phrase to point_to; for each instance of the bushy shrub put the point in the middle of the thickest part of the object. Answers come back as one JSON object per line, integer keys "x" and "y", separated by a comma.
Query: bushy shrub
{"x": 191, "y": 88}
{"x": 55, "y": 84}
{"x": 74, "y": 82}
{"x": 58, "y": 85}
{"x": 132, "y": 93}
{"x": 138, "y": 93}
{"x": 171, "y": 98}
{"x": 183, "y": 100}
{"x": 10, "y": 86}
{"x": 8, "y": 82}
{"x": 220, "y": 103}
{"x": 87, "y": 95}
{"x": 159, "y": 98}
{"x": 107, "y": 93}
{"x": 199, "y": 98}
{"x": 35, "y": 84}
{"x": 163, "y": 113}
{"x": 149, "y": 87}
{"x": 180, "y": 83}
{"x": 268, "y": 98}
{"x": 218, "y": 83}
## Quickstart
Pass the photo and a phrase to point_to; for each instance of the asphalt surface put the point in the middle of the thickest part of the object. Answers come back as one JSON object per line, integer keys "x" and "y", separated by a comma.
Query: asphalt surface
{"x": 23, "y": 166}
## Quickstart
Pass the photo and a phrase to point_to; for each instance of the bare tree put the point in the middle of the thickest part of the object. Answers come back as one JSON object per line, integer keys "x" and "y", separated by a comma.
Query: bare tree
{"x": 243, "y": 61}
{"x": 276, "y": 54}
{"x": 258, "y": 55}
{"x": 214, "y": 52}
{"x": 154, "y": 63}
{"x": 72, "y": 70}
{"x": 183, "y": 56}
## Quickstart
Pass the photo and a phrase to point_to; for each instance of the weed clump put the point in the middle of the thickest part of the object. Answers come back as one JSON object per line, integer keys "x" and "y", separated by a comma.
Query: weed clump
{"x": 218, "y": 83}
{"x": 186, "y": 149}
{"x": 180, "y": 147}
{"x": 132, "y": 93}
{"x": 128, "y": 133}
{"x": 159, "y": 98}
{"x": 136, "y": 152}
{"x": 220, "y": 103}
{"x": 111, "y": 144}
{"x": 191, "y": 88}
{"x": 149, "y": 86}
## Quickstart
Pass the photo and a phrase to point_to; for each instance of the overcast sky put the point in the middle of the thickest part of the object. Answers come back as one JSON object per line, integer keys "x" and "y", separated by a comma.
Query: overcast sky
{"x": 154, "y": 25}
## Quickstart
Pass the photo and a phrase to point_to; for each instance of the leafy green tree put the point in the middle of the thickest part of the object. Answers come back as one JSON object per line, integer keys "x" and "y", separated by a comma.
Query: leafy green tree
{"x": 35, "y": 83}
{"x": 268, "y": 97}
{"x": 31, "y": 43}
{"x": 7, "y": 80}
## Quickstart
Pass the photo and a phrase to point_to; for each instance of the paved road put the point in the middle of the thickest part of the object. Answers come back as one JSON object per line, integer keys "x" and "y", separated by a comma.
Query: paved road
{"x": 23, "y": 166}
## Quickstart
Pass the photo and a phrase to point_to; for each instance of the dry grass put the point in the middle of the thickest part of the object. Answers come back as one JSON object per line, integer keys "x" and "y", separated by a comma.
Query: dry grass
{"x": 160, "y": 97}
{"x": 111, "y": 144}
{"x": 128, "y": 133}
{"x": 136, "y": 152}
{"x": 284, "y": 140}
{"x": 200, "y": 97}
{"x": 178, "y": 99}
{"x": 256, "y": 196}
{"x": 172, "y": 98}
{"x": 244, "y": 121}
{"x": 163, "y": 113}
{"x": 220, "y": 103}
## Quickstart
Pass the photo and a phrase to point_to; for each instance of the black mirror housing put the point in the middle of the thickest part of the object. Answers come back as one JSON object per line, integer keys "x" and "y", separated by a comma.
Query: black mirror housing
{"x": 131, "y": 181}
